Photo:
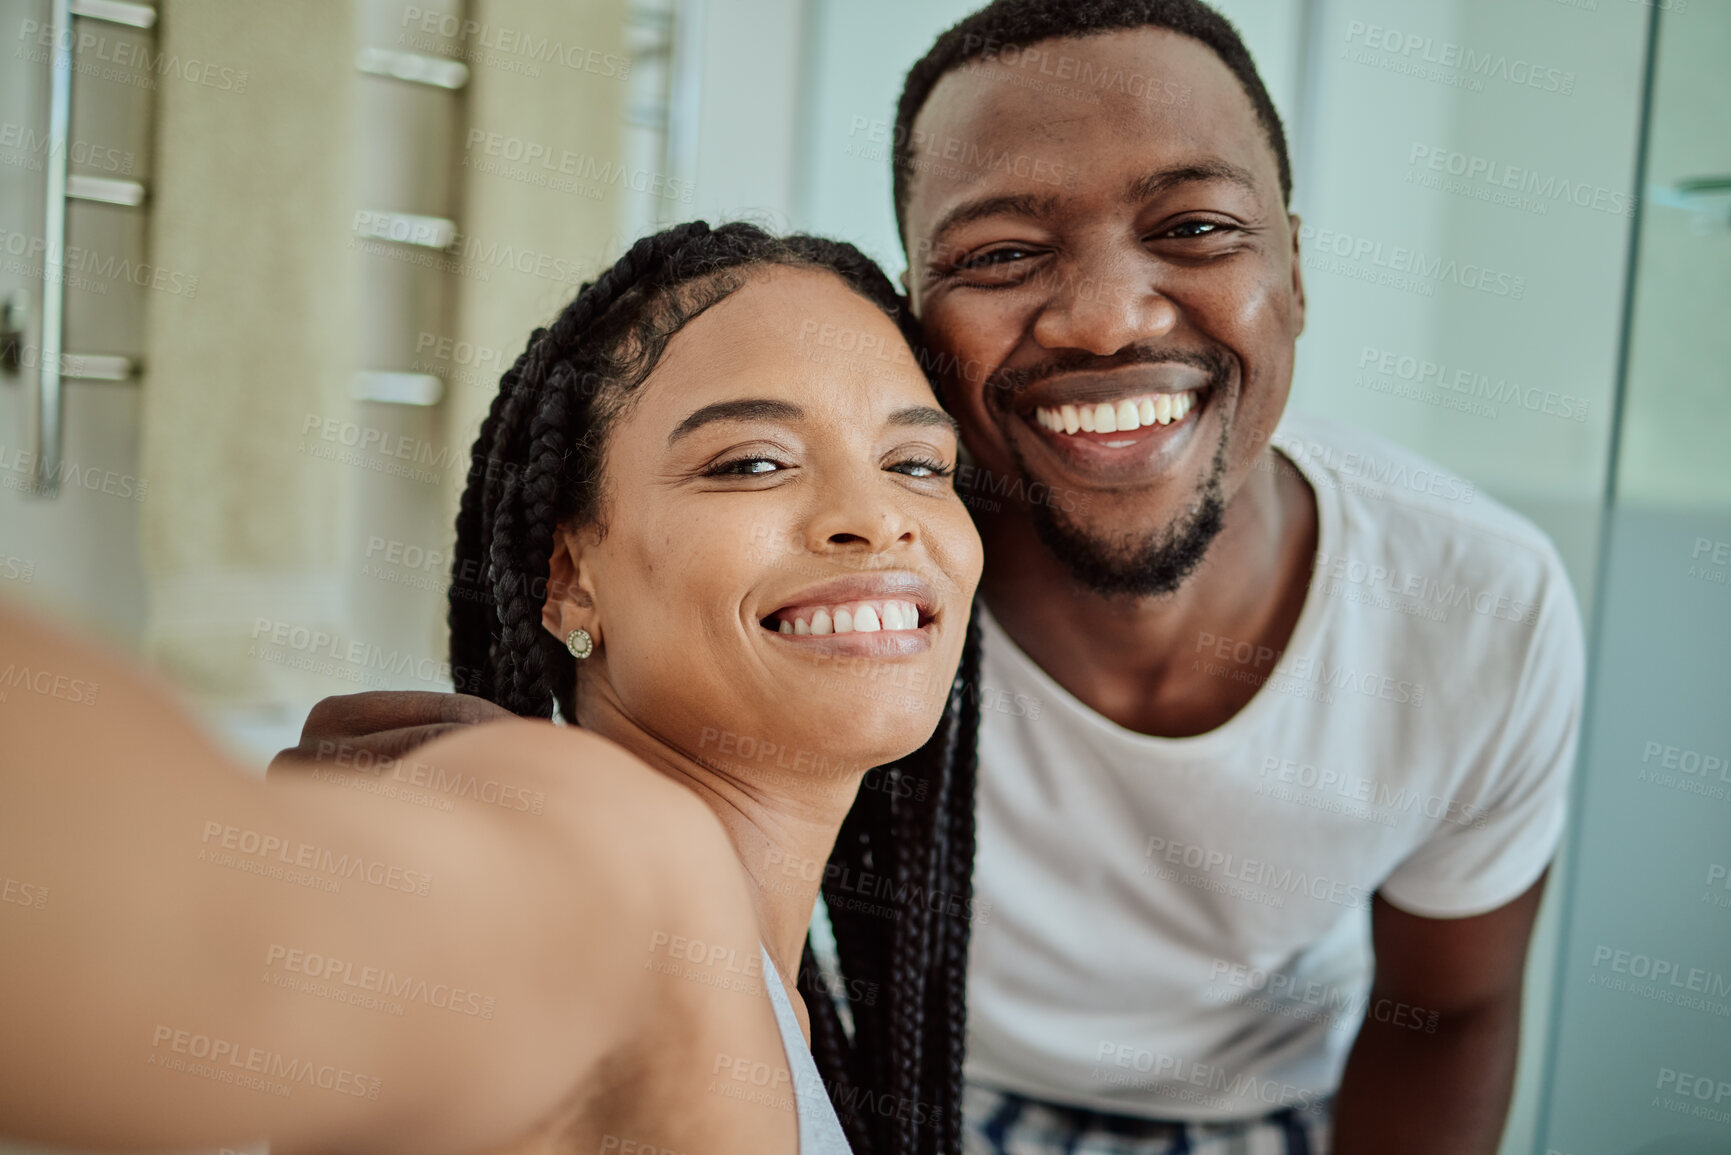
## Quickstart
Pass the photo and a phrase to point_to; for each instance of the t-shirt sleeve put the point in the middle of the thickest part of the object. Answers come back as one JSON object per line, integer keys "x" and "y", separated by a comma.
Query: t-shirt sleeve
{"x": 1475, "y": 864}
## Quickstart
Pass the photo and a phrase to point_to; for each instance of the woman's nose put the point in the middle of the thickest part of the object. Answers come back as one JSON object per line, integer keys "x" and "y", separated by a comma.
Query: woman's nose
{"x": 860, "y": 511}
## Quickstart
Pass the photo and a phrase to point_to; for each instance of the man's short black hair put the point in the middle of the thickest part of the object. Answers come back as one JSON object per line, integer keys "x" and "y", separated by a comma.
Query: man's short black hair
{"x": 1016, "y": 24}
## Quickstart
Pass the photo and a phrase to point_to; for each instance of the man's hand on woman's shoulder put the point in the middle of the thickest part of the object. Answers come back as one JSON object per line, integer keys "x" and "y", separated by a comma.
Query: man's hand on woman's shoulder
{"x": 364, "y": 730}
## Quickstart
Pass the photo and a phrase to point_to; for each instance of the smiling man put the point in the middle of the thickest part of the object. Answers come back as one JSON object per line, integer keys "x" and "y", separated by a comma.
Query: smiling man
{"x": 1278, "y": 717}
{"x": 1297, "y": 691}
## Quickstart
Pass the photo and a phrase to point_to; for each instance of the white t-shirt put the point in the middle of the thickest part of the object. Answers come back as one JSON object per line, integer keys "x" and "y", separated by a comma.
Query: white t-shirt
{"x": 1179, "y": 927}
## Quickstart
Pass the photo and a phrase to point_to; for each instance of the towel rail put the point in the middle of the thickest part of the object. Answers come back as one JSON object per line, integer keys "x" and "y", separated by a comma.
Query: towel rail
{"x": 49, "y": 377}
{"x": 56, "y": 366}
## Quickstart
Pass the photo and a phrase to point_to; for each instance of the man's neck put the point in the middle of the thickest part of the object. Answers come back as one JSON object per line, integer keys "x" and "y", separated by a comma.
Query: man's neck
{"x": 1153, "y": 664}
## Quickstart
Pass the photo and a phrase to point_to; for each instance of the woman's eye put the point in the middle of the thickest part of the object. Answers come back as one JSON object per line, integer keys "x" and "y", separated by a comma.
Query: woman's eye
{"x": 922, "y": 467}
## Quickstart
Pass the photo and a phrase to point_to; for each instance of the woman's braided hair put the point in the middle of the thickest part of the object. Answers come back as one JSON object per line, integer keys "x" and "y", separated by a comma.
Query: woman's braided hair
{"x": 896, "y": 1078}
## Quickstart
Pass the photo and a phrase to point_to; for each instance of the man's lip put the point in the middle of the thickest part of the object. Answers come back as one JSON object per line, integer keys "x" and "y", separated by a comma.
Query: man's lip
{"x": 1154, "y": 450}
{"x": 1113, "y": 386}
{"x": 898, "y": 585}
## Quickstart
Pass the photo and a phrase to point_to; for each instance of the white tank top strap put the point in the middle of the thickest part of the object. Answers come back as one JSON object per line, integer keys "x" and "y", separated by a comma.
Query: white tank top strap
{"x": 820, "y": 1130}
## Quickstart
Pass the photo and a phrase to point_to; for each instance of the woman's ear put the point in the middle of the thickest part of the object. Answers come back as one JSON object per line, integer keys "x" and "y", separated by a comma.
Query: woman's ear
{"x": 570, "y": 603}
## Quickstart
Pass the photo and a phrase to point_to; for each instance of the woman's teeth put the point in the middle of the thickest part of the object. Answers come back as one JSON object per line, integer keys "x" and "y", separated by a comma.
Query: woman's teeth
{"x": 855, "y": 618}
{"x": 1130, "y": 413}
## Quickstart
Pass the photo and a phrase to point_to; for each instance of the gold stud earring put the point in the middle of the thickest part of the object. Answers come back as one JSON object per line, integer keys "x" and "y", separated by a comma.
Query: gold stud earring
{"x": 580, "y": 644}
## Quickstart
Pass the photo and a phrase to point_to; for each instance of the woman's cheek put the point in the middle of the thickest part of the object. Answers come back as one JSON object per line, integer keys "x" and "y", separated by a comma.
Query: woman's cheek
{"x": 958, "y": 551}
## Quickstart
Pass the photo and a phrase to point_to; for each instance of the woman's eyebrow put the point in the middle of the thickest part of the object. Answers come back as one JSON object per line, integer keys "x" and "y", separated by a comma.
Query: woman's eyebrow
{"x": 749, "y": 409}
{"x": 924, "y": 415}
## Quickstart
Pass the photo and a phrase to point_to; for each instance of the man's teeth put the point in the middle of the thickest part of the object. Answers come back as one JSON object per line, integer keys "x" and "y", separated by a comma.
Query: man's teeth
{"x": 857, "y": 618}
{"x": 1130, "y": 413}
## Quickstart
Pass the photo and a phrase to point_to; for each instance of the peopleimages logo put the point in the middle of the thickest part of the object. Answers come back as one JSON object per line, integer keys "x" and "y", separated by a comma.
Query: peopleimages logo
{"x": 1166, "y": 1070}
{"x": 484, "y": 43}
{"x": 1422, "y": 371}
{"x": 33, "y": 145}
{"x": 1374, "y": 793}
{"x": 272, "y": 849}
{"x": 1378, "y": 472}
{"x": 87, "y": 269}
{"x": 1498, "y": 175}
{"x": 1258, "y": 873}
{"x": 258, "y": 1068}
{"x": 586, "y": 169}
{"x": 1463, "y": 63}
{"x": 313, "y": 642}
{"x": 124, "y": 60}
{"x": 1443, "y": 594}
{"x": 378, "y": 980}
{"x": 1689, "y": 1093}
{"x": 1372, "y": 254}
{"x": 971, "y": 160}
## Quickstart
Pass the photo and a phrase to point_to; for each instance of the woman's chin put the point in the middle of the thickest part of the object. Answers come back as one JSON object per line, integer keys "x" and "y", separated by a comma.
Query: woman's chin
{"x": 833, "y": 740}
{"x": 883, "y": 725}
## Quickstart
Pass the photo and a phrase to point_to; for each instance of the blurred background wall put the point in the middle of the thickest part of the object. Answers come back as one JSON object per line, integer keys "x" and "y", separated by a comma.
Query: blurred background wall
{"x": 303, "y": 241}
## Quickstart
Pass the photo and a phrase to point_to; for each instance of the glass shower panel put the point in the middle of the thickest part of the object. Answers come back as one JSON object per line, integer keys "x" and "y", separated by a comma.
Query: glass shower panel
{"x": 1642, "y": 1047}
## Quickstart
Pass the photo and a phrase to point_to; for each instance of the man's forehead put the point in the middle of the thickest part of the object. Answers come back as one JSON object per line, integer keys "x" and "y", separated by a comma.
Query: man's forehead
{"x": 1060, "y": 87}
{"x": 1075, "y": 76}
{"x": 1138, "y": 107}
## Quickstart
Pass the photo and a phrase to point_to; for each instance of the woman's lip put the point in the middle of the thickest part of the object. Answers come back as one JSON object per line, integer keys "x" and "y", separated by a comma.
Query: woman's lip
{"x": 883, "y": 585}
{"x": 877, "y": 644}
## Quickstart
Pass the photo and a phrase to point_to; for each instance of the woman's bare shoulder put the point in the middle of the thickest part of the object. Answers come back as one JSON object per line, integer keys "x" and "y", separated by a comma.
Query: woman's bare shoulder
{"x": 613, "y": 801}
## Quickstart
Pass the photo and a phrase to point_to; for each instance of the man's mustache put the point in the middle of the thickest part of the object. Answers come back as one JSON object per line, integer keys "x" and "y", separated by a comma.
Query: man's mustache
{"x": 1006, "y": 383}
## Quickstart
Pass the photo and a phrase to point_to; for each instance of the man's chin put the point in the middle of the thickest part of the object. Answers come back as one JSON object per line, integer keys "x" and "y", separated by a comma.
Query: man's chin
{"x": 1155, "y": 564}
{"x": 1144, "y": 564}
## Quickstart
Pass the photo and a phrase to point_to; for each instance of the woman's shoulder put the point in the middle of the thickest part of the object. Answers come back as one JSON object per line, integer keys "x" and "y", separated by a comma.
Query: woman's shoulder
{"x": 619, "y": 870}
{"x": 616, "y": 807}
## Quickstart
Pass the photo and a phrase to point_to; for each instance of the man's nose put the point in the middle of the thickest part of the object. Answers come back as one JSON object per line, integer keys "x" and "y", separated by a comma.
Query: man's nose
{"x": 1104, "y": 307}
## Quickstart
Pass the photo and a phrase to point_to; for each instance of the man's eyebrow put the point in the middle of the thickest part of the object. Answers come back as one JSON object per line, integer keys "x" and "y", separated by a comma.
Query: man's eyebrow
{"x": 1024, "y": 205}
{"x": 925, "y": 415}
{"x": 749, "y": 409}
{"x": 1156, "y": 183}
{"x": 1028, "y": 205}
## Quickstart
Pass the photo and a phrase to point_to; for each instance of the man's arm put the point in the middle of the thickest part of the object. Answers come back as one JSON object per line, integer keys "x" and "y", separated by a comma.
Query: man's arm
{"x": 1434, "y": 1063}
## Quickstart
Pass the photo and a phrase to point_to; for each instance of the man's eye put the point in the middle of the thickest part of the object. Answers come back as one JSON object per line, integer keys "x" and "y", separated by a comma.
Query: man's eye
{"x": 994, "y": 257}
{"x": 1191, "y": 229}
{"x": 744, "y": 466}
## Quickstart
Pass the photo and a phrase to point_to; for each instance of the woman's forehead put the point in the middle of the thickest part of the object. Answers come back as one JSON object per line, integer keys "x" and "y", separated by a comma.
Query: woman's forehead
{"x": 785, "y": 301}
{"x": 793, "y": 332}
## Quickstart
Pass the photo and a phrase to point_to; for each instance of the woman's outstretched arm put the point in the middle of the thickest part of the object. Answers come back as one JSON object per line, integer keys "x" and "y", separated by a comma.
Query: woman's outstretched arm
{"x": 189, "y": 957}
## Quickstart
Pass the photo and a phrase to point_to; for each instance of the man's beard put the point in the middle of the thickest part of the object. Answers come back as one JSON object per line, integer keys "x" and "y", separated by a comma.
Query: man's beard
{"x": 1158, "y": 563}
{"x": 1161, "y": 561}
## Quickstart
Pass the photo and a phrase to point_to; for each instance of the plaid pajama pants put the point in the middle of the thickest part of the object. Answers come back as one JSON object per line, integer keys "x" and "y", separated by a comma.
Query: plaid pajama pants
{"x": 1004, "y": 1123}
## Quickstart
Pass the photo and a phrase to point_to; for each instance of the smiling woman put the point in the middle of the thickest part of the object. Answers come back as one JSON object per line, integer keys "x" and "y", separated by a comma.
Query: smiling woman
{"x": 737, "y": 562}
{"x": 697, "y": 451}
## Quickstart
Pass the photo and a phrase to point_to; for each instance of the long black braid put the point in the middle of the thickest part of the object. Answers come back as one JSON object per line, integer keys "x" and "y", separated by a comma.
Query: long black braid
{"x": 898, "y": 887}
